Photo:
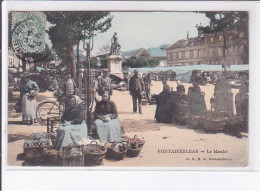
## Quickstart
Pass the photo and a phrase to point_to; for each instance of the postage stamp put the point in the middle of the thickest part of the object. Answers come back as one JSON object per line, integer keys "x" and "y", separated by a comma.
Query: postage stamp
{"x": 128, "y": 89}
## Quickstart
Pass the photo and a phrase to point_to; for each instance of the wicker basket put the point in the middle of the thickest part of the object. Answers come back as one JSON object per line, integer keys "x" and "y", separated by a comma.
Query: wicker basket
{"x": 135, "y": 147}
{"x": 94, "y": 153}
{"x": 115, "y": 154}
{"x": 144, "y": 102}
{"x": 50, "y": 157}
{"x": 194, "y": 122}
{"x": 71, "y": 156}
{"x": 214, "y": 122}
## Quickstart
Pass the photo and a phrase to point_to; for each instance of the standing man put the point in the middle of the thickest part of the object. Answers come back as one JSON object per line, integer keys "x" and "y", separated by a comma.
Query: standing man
{"x": 136, "y": 88}
{"x": 147, "y": 83}
{"x": 104, "y": 84}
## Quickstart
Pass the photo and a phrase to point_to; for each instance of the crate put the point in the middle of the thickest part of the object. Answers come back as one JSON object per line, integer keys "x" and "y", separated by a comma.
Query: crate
{"x": 33, "y": 149}
{"x": 71, "y": 156}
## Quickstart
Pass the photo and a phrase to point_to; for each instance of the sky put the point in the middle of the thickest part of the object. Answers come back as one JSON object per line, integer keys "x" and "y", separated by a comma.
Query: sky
{"x": 149, "y": 29}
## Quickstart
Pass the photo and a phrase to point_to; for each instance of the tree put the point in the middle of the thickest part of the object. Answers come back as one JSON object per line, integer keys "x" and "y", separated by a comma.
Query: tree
{"x": 72, "y": 27}
{"x": 134, "y": 62}
{"x": 225, "y": 21}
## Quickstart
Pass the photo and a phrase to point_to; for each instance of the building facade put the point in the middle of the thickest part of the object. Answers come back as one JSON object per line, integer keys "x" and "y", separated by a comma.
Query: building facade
{"x": 208, "y": 49}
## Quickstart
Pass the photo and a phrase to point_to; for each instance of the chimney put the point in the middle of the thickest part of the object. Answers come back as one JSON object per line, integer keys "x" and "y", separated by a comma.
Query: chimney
{"x": 188, "y": 35}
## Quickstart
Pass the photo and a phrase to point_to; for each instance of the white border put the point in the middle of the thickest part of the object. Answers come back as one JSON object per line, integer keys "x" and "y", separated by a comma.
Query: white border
{"x": 13, "y": 174}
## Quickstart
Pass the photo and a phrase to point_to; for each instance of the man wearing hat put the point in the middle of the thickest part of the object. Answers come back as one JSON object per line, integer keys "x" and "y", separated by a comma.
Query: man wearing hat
{"x": 136, "y": 88}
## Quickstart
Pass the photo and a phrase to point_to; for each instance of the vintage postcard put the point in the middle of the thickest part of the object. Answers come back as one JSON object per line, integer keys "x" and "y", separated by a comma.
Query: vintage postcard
{"x": 117, "y": 88}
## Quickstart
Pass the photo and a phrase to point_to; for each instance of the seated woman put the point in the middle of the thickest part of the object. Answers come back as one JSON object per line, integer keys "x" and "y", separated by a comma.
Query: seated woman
{"x": 107, "y": 124}
{"x": 73, "y": 127}
{"x": 196, "y": 100}
{"x": 163, "y": 111}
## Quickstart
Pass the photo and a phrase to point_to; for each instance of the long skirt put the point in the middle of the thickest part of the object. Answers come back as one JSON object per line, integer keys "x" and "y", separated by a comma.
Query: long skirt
{"x": 71, "y": 134}
{"x": 29, "y": 106}
{"x": 109, "y": 131}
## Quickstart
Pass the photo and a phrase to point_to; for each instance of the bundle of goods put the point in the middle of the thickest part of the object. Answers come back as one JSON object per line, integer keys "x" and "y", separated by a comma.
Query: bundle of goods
{"x": 152, "y": 101}
{"x": 214, "y": 121}
{"x": 94, "y": 153}
{"x": 49, "y": 157}
{"x": 134, "y": 147}
{"x": 117, "y": 151}
{"x": 33, "y": 148}
{"x": 194, "y": 122}
{"x": 71, "y": 156}
{"x": 233, "y": 124}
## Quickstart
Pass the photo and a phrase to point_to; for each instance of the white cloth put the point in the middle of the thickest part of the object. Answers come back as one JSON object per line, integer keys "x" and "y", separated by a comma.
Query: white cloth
{"x": 28, "y": 108}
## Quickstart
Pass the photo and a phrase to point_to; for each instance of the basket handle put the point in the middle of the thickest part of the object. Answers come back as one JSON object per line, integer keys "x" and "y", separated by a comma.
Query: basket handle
{"x": 94, "y": 142}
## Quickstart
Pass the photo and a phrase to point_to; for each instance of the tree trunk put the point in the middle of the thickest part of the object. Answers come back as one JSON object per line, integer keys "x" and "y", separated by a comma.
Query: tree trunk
{"x": 78, "y": 67}
{"x": 24, "y": 65}
{"x": 72, "y": 65}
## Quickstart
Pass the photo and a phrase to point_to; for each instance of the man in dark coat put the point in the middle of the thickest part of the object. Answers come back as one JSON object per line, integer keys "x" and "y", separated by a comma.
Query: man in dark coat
{"x": 136, "y": 88}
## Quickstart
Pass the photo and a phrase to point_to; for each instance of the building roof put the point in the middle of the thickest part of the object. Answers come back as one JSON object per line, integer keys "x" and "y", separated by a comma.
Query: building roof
{"x": 189, "y": 42}
{"x": 159, "y": 51}
{"x": 132, "y": 53}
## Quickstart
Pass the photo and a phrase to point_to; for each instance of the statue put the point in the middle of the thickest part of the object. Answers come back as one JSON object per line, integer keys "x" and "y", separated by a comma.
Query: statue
{"x": 115, "y": 46}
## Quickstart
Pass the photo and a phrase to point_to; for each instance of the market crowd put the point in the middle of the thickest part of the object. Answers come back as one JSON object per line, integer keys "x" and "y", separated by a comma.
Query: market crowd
{"x": 171, "y": 106}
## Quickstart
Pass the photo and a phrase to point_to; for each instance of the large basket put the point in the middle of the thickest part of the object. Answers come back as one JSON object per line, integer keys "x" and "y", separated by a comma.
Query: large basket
{"x": 117, "y": 151}
{"x": 50, "y": 157}
{"x": 214, "y": 122}
{"x": 94, "y": 153}
{"x": 135, "y": 147}
{"x": 71, "y": 156}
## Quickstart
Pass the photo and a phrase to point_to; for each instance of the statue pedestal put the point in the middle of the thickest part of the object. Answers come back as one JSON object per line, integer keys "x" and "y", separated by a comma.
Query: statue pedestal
{"x": 114, "y": 64}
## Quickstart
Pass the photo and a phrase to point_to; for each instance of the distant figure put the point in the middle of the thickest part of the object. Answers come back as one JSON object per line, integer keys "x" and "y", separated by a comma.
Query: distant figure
{"x": 104, "y": 84}
{"x": 196, "y": 100}
{"x": 241, "y": 102}
{"x": 68, "y": 87}
{"x": 136, "y": 88}
{"x": 28, "y": 91}
{"x": 223, "y": 97}
{"x": 147, "y": 83}
{"x": 164, "y": 111}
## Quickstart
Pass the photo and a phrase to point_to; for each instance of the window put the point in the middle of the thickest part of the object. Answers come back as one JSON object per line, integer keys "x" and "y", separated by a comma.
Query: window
{"x": 182, "y": 55}
{"x": 177, "y": 56}
{"x": 191, "y": 54}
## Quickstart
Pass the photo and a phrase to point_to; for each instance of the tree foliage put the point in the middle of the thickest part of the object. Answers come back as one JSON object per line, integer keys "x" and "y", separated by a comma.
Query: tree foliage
{"x": 69, "y": 28}
{"x": 135, "y": 62}
{"x": 221, "y": 21}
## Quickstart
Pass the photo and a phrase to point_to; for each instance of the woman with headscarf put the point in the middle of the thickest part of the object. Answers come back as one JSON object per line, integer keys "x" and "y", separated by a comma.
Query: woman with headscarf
{"x": 73, "y": 127}
{"x": 163, "y": 111}
{"x": 29, "y": 89}
{"x": 107, "y": 124}
{"x": 196, "y": 100}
